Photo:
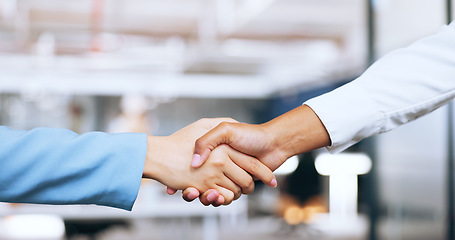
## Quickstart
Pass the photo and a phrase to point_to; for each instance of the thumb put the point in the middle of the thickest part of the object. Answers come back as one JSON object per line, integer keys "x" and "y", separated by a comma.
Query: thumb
{"x": 221, "y": 134}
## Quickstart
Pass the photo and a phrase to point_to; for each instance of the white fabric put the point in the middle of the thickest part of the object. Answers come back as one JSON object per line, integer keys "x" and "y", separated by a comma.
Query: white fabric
{"x": 402, "y": 86}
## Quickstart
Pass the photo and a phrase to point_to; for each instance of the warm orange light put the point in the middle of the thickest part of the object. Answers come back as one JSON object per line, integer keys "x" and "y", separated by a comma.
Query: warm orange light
{"x": 293, "y": 215}
{"x": 310, "y": 212}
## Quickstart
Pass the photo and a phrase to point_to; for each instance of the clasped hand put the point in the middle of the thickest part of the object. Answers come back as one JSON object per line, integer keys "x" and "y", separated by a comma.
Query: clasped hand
{"x": 226, "y": 154}
{"x": 272, "y": 143}
{"x": 225, "y": 175}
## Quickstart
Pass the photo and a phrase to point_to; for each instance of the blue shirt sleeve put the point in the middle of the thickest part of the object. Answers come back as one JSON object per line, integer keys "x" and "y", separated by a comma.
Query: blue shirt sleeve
{"x": 58, "y": 166}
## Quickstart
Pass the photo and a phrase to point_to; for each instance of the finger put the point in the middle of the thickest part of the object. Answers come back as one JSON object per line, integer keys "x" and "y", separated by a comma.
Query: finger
{"x": 170, "y": 191}
{"x": 190, "y": 194}
{"x": 209, "y": 124}
{"x": 253, "y": 166}
{"x": 209, "y": 197}
{"x": 228, "y": 195}
{"x": 217, "y": 197}
{"x": 221, "y": 134}
{"x": 219, "y": 201}
{"x": 235, "y": 173}
{"x": 226, "y": 184}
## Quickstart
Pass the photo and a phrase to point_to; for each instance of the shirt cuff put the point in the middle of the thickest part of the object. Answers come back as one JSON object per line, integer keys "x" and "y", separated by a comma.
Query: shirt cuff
{"x": 347, "y": 114}
{"x": 123, "y": 190}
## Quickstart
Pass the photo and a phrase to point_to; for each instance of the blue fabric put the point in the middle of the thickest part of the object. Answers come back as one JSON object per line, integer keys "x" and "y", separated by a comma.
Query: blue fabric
{"x": 58, "y": 166}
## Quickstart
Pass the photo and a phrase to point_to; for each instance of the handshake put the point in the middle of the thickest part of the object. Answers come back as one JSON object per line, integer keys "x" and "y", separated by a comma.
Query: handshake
{"x": 227, "y": 156}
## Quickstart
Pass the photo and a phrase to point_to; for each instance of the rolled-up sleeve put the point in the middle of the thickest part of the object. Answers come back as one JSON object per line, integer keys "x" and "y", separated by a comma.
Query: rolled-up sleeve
{"x": 58, "y": 166}
{"x": 400, "y": 87}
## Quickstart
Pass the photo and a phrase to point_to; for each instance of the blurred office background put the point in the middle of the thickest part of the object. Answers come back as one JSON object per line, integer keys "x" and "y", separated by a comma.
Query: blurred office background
{"x": 156, "y": 66}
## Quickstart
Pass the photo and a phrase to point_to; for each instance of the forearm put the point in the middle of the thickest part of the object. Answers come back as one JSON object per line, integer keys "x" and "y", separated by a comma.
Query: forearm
{"x": 298, "y": 131}
{"x": 57, "y": 166}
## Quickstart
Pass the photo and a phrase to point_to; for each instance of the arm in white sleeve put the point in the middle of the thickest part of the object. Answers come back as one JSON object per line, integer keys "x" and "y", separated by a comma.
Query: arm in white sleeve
{"x": 400, "y": 87}
{"x": 58, "y": 166}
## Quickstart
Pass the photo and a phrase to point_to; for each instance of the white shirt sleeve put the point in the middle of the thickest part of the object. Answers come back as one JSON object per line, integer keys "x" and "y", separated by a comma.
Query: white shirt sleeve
{"x": 402, "y": 86}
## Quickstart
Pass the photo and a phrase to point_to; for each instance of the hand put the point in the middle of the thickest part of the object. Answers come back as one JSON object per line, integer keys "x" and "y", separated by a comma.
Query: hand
{"x": 247, "y": 138}
{"x": 294, "y": 132}
{"x": 254, "y": 140}
{"x": 168, "y": 162}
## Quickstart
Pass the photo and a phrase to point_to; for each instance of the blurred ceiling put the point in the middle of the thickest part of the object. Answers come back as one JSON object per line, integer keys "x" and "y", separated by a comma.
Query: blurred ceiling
{"x": 279, "y": 44}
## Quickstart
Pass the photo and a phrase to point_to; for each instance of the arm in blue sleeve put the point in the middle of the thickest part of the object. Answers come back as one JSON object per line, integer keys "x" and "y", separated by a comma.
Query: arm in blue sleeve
{"x": 58, "y": 166}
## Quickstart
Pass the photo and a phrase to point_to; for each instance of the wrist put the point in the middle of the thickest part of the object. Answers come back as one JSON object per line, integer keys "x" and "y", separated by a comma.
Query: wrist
{"x": 282, "y": 139}
{"x": 153, "y": 167}
{"x": 297, "y": 131}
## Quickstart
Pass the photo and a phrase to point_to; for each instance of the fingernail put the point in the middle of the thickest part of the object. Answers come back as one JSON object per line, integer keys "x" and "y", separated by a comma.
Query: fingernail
{"x": 196, "y": 160}
{"x": 212, "y": 197}
{"x": 273, "y": 183}
{"x": 220, "y": 200}
{"x": 170, "y": 191}
{"x": 193, "y": 195}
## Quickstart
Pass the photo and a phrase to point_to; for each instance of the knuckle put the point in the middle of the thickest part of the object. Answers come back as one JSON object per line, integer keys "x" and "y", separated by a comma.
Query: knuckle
{"x": 250, "y": 188}
{"x": 222, "y": 148}
{"x": 237, "y": 195}
{"x": 218, "y": 162}
{"x": 225, "y": 126}
{"x": 228, "y": 201}
{"x": 228, "y": 198}
{"x": 199, "y": 143}
{"x": 254, "y": 166}
{"x": 228, "y": 119}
